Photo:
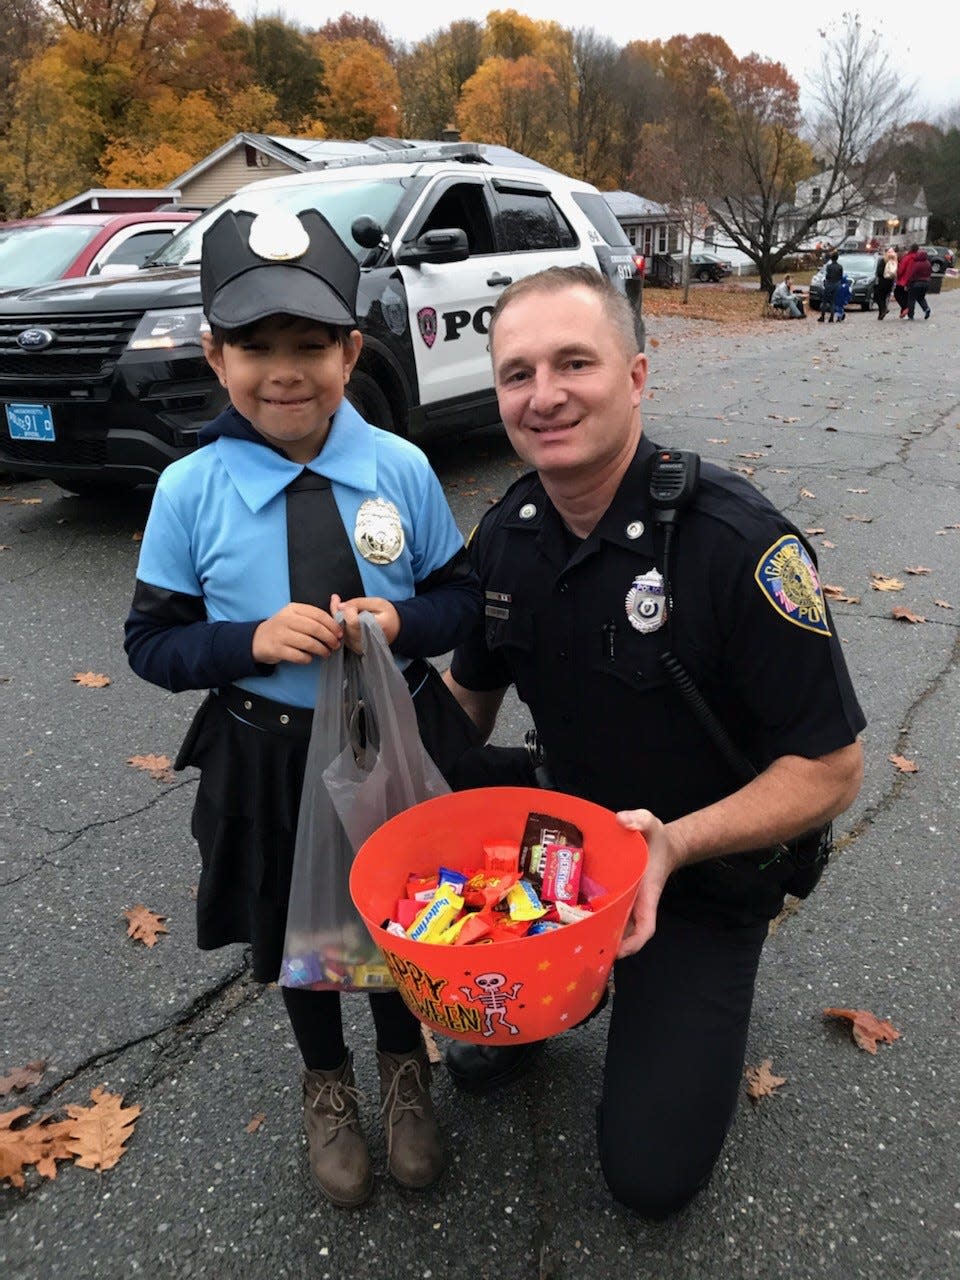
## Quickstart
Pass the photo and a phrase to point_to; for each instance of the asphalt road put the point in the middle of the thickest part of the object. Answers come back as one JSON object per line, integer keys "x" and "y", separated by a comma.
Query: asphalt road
{"x": 849, "y": 1171}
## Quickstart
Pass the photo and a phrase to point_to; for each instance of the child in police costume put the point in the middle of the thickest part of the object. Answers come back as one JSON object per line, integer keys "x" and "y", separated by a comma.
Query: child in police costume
{"x": 294, "y": 509}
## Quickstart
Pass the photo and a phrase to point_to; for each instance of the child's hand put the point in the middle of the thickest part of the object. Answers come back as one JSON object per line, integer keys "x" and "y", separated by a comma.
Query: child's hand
{"x": 384, "y": 612}
{"x": 298, "y": 633}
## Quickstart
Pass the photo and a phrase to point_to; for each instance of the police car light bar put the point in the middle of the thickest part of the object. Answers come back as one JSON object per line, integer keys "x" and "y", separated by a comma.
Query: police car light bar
{"x": 466, "y": 152}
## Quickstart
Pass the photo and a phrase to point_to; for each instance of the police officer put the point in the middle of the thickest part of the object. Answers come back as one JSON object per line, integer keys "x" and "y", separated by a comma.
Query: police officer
{"x": 580, "y": 618}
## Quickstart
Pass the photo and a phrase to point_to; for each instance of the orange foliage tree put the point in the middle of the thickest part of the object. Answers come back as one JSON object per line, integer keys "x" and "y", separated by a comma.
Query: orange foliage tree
{"x": 362, "y": 92}
{"x": 510, "y": 101}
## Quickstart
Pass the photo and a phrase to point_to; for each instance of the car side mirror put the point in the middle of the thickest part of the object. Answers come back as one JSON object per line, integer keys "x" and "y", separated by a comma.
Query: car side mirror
{"x": 448, "y": 244}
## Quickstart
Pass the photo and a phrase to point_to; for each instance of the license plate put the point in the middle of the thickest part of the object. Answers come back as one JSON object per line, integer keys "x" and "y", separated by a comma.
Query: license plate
{"x": 30, "y": 422}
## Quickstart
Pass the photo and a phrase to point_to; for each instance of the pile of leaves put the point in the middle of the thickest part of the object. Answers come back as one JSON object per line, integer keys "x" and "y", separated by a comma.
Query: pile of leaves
{"x": 93, "y": 1137}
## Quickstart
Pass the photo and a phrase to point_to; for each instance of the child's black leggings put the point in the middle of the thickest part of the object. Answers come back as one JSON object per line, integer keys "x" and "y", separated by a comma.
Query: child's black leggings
{"x": 318, "y": 1025}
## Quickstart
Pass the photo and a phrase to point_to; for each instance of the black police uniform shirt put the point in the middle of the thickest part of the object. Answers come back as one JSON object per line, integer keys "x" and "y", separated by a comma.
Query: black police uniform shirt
{"x": 213, "y": 561}
{"x": 579, "y": 626}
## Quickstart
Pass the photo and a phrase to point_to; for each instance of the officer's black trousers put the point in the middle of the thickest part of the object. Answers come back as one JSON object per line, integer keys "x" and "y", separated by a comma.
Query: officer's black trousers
{"x": 674, "y": 1066}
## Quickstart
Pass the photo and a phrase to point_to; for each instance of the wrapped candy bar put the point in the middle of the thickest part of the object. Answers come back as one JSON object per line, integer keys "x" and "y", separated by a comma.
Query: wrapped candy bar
{"x": 562, "y": 864}
{"x": 523, "y": 903}
{"x": 436, "y": 916}
{"x": 541, "y": 830}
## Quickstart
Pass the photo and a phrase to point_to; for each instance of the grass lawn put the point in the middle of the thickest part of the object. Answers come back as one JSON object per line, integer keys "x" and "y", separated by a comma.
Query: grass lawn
{"x": 741, "y": 301}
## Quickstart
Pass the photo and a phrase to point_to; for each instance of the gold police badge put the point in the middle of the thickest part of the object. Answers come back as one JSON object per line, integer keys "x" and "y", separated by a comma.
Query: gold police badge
{"x": 378, "y": 531}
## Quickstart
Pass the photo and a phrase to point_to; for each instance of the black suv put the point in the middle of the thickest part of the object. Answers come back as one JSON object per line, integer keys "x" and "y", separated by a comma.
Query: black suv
{"x": 105, "y": 383}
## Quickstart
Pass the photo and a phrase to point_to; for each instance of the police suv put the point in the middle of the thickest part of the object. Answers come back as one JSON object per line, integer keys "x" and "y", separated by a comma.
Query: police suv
{"x": 104, "y": 382}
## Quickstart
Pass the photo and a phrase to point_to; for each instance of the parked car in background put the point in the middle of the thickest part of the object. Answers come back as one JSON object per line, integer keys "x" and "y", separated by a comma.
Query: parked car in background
{"x": 861, "y": 269}
{"x": 940, "y": 257}
{"x": 704, "y": 266}
{"x": 65, "y": 245}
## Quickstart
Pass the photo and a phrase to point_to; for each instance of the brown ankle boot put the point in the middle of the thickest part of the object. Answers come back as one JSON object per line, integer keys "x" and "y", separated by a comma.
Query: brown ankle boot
{"x": 339, "y": 1160}
{"x": 414, "y": 1149}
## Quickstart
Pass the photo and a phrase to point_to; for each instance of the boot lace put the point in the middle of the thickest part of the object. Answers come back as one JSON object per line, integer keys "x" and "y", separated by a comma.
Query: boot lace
{"x": 404, "y": 1093}
{"x": 339, "y": 1103}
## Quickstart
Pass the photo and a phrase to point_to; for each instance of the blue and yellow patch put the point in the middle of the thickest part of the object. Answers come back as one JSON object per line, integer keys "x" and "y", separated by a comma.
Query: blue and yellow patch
{"x": 789, "y": 580}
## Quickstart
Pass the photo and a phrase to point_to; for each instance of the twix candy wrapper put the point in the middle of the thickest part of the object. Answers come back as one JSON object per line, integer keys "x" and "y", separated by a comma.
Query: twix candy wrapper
{"x": 543, "y": 829}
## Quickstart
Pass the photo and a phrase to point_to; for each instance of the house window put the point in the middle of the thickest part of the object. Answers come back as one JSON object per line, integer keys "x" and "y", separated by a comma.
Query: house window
{"x": 662, "y": 238}
{"x": 648, "y": 241}
{"x": 709, "y": 232}
{"x": 814, "y": 193}
{"x": 852, "y": 225}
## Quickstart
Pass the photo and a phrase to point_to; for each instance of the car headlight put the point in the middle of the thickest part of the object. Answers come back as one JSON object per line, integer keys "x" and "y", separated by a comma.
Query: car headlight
{"x": 165, "y": 330}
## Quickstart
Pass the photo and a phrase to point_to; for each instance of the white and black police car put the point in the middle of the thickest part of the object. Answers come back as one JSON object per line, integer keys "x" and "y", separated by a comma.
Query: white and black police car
{"x": 104, "y": 383}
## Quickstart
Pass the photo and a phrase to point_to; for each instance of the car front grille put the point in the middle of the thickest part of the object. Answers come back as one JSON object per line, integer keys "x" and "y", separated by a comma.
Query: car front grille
{"x": 83, "y": 346}
{"x": 79, "y": 451}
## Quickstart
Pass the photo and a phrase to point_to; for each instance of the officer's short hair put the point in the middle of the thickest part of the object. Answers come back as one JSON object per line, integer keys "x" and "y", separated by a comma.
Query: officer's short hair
{"x": 558, "y": 279}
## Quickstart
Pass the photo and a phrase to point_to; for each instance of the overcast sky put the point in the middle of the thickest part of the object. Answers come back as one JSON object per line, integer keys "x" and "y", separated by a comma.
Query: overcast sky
{"x": 927, "y": 57}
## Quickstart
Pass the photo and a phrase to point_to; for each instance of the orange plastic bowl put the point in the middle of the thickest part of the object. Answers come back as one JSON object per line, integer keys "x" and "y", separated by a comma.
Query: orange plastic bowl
{"x": 498, "y": 992}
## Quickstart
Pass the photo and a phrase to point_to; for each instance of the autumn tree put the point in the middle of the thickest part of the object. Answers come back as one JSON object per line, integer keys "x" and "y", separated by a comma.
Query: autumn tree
{"x": 509, "y": 34}
{"x": 284, "y": 63}
{"x": 858, "y": 96}
{"x": 24, "y": 29}
{"x": 349, "y": 27}
{"x": 361, "y": 96}
{"x": 432, "y": 75}
{"x": 590, "y": 117}
{"x": 638, "y": 85}
{"x": 513, "y": 102}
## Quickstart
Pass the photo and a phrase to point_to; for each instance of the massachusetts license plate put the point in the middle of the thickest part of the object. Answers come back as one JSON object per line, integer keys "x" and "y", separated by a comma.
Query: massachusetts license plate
{"x": 30, "y": 422}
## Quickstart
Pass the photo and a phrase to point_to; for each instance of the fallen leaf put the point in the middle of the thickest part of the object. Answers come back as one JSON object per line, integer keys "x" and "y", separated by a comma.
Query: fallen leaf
{"x": 157, "y": 766}
{"x": 902, "y": 614}
{"x": 144, "y": 925}
{"x": 791, "y": 419}
{"x": 829, "y": 428}
{"x": 744, "y": 471}
{"x": 5, "y": 547}
{"x": 256, "y": 1122}
{"x": 761, "y": 1082}
{"x": 916, "y": 569}
{"x": 138, "y": 536}
{"x": 867, "y": 1029}
{"x": 717, "y": 440}
{"x": 781, "y": 471}
{"x": 904, "y": 765}
{"x": 858, "y": 491}
{"x": 880, "y": 582}
{"x": 22, "y": 1077}
{"x": 952, "y": 526}
{"x": 827, "y": 543}
{"x": 18, "y": 1147}
{"x": 91, "y": 680}
{"x": 942, "y": 604}
{"x": 805, "y": 493}
{"x": 860, "y": 519}
{"x": 814, "y": 531}
{"x": 752, "y": 454}
{"x": 23, "y": 502}
{"x": 653, "y": 342}
{"x": 98, "y": 1133}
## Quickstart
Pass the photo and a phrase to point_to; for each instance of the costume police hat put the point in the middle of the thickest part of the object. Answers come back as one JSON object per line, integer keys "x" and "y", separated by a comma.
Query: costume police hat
{"x": 258, "y": 265}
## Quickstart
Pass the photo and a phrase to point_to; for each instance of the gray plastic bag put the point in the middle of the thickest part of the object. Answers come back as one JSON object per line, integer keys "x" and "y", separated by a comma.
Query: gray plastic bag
{"x": 365, "y": 764}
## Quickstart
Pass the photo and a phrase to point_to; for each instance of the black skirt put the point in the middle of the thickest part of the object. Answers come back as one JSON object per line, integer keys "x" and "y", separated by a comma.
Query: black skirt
{"x": 248, "y": 799}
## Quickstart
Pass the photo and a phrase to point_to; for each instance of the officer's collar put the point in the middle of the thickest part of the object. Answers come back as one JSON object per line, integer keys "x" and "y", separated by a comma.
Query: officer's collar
{"x": 348, "y": 457}
{"x": 627, "y": 522}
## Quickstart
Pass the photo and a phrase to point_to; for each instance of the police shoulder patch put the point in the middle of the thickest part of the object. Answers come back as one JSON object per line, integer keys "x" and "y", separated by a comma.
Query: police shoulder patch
{"x": 788, "y": 578}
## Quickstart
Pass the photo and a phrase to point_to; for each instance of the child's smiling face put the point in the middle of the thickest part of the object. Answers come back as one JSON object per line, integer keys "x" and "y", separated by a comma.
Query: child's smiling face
{"x": 287, "y": 377}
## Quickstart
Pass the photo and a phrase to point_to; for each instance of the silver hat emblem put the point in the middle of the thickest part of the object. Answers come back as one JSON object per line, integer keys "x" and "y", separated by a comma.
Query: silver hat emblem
{"x": 378, "y": 531}
{"x": 278, "y": 236}
{"x": 646, "y": 603}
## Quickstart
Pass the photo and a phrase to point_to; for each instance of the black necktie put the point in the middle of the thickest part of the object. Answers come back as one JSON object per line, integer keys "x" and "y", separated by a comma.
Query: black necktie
{"x": 319, "y": 554}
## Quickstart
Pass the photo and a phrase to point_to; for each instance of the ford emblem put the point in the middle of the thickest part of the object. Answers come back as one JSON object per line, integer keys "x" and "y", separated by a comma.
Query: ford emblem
{"x": 34, "y": 339}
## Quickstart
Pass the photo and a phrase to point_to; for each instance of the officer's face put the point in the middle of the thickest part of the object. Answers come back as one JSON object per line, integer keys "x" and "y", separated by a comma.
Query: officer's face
{"x": 569, "y": 392}
{"x": 287, "y": 380}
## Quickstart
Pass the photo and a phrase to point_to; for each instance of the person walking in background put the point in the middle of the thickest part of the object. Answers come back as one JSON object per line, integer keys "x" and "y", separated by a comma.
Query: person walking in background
{"x": 784, "y": 299}
{"x": 903, "y": 279}
{"x": 832, "y": 275}
{"x": 920, "y": 272}
{"x": 886, "y": 275}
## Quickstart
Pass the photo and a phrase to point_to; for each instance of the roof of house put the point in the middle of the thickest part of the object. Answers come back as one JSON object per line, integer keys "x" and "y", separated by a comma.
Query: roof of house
{"x": 624, "y": 204}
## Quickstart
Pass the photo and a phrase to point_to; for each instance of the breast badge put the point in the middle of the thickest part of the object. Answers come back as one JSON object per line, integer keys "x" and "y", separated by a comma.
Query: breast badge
{"x": 378, "y": 532}
{"x": 788, "y": 578}
{"x": 646, "y": 602}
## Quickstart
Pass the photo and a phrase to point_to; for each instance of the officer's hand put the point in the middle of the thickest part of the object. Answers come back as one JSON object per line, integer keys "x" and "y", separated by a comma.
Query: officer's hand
{"x": 383, "y": 611}
{"x": 663, "y": 858}
{"x": 298, "y": 633}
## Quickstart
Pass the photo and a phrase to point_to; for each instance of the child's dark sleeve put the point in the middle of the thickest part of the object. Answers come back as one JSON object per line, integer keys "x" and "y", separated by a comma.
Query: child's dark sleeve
{"x": 169, "y": 642}
{"x": 444, "y": 611}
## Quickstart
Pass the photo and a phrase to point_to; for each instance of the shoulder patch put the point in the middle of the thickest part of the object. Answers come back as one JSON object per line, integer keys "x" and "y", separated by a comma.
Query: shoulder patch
{"x": 788, "y": 579}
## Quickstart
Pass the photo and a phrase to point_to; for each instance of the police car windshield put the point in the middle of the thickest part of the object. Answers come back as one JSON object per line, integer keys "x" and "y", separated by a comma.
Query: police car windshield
{"x": 339, "y": 202}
